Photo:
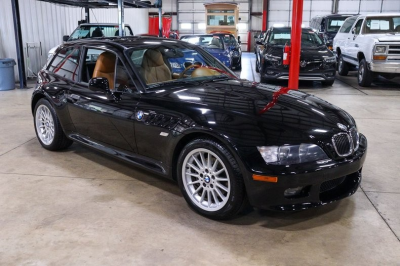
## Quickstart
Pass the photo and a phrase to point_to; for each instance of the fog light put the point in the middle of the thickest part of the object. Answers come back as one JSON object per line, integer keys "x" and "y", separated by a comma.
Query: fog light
{"x": 297, "y": 192}
{"x": 269, "y": 72}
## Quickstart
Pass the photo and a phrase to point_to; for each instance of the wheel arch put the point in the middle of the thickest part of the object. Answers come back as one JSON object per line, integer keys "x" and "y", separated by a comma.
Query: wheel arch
{"x": 338, "y": 51}
{"x": 360, "y": 56}
{"x": 35, "y": 98}
{"x": 196, "y": 135}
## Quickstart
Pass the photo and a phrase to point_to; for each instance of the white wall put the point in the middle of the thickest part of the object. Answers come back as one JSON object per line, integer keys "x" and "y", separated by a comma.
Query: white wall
{"x": 44, "y": 24}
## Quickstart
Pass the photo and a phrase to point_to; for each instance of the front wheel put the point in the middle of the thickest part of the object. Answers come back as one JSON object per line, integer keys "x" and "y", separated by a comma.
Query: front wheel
{"x": 48, "y": 128}
{"x": 343, "y": 67}
{"x": 364, "y": 75}
{"x": 210, "y": 179}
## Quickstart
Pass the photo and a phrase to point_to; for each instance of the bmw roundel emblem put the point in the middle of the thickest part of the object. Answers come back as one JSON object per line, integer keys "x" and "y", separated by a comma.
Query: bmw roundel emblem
{"x": 139, "y": 115}
{"x": 342, "y": 127}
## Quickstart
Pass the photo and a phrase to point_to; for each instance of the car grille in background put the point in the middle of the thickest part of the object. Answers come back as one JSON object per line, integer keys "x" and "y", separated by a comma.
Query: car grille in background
{"x": 331, "y": 184}
{"x": 346, "y": 143}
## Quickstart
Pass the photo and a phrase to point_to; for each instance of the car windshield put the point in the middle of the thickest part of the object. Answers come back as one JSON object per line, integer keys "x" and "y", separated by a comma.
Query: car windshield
{"x": 334, "y": 24}
{"x": 92, "y": 31}
{"x": 214, "y": 42}
{"x": 283, "y": 36}
{"x": 387, "y": 24}
{"x": 176, "y": 63}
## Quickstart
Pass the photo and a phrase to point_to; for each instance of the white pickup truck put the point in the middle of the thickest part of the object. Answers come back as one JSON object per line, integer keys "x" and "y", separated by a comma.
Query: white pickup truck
{"x": 371, "y": 43}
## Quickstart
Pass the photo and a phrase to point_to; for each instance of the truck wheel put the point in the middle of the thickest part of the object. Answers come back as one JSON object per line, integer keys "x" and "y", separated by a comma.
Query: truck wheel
{"x": 343, "y": 67}
{"x": 364, "y": 75}
{"x": 328, "y": 82}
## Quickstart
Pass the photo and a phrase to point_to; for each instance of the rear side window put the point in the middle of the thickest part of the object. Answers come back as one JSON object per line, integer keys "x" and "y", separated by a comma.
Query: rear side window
{"x": 346, "y": 27}
{"x": 65, "y": 63}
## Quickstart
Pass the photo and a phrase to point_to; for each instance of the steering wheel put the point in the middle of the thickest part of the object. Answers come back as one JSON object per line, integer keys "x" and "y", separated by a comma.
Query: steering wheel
{"x": 187, "y": 68}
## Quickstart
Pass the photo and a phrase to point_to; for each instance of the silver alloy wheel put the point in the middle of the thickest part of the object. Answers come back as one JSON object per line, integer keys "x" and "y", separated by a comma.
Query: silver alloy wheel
{"x": 206, "y": 179}
{"x": 44, "y": 124}
{"x": 360, "y": 72}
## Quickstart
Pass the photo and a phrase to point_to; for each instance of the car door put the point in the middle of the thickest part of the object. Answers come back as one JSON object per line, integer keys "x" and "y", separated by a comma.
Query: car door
{"x": 353, "y": 43}
{"x": 104, "y": 117}
{"x": 342, "y": 38}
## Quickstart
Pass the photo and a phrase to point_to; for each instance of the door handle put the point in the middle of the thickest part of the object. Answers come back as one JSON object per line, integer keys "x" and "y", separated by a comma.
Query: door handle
{"x": 356, "y": 45}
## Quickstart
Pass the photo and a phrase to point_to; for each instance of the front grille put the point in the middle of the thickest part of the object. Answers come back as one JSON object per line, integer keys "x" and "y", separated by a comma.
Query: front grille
{"x": 342, "y": 144}
{"x": 331, "y": 184}
{"x": 394, "y": 49}
{"x": 355, "y": 137}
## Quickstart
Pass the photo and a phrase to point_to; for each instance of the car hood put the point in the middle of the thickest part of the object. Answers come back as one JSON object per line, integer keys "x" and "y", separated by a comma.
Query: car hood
{"x": 387, "y": 37}
{"x": 305, "y": 116}
{"x": 216, "y": 52}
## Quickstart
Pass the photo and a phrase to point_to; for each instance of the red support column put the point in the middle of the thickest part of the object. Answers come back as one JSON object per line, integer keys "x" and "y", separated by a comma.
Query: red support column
{"x": 265, "y": 15}
{"x": 297, "y": 18}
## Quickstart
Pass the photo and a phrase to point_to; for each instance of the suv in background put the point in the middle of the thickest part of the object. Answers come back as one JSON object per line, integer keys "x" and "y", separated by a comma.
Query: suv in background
{"x": 327, "y": 26}
{"x": 372, "y": 43}
{"x": 316, "y": 61}
{"x": 93, "y": 30}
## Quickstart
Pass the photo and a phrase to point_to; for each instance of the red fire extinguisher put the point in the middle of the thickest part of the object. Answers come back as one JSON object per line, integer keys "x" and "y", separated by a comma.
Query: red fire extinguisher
{"x": 286, "y": 55}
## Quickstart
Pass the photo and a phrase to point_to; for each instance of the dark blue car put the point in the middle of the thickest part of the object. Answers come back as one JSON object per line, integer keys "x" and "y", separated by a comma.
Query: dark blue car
{"x": 222, "y": 46}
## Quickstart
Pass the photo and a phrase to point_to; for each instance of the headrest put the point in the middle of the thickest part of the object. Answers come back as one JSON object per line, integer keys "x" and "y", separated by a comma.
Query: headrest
{"x": 215, "y": 41}
{"x": 152, "y": 58}
{"x": 106, "y": 62}
{"x": 97, "y": 33}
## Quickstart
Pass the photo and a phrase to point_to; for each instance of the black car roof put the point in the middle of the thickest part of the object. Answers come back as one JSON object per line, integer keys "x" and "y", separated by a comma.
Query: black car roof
{"x": 126, "y": 42}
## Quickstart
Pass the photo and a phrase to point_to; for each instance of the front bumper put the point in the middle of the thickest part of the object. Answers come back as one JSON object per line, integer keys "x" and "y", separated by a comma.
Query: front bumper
{"x": 315, "y": 76}
{"x": 320, "y": 185}
{"x": 385, "y": 67}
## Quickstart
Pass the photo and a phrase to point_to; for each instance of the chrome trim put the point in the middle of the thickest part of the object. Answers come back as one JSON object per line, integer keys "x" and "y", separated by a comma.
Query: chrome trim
{"x": 350, "y": 144}
{"x": 302, "y": 78}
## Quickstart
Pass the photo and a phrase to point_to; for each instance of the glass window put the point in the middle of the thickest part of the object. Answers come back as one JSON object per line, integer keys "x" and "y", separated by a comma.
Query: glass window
{"x": 334, "y": 24}
{"x": 176, "y": 63}
{"x": 382, "y": 24}
{"x": 357, "y": 27}
{"x": 122, "y": 80}
{"x": 204, "y": 41}
{"x": 281, "y": 36}
{"x": 92, "y": 31}
{"x": 219, "y": 11}
{"x": 346, "y": 27}
{"x": 65, "y": 63}
{"x": 220, "y": 20}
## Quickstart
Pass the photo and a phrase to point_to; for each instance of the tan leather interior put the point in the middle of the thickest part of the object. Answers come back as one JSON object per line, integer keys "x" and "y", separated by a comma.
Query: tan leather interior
{"x": 204, "y": 72}
{"x": 153, "y": 67}
{"x": 105, "y": 67}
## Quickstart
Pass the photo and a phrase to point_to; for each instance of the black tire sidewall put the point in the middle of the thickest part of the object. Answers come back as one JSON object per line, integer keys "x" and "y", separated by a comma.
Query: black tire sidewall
{"x": 344, "y": 70}
{"x": 236, "y": 196}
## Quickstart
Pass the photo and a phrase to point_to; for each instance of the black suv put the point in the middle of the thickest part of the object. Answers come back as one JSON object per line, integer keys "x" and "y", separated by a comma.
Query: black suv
{"x": 316, "y": 61}
{"x": 327, "y": 26}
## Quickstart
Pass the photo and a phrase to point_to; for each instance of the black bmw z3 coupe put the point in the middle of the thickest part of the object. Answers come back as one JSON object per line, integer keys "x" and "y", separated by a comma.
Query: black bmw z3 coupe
{"x": 171, "y": 108}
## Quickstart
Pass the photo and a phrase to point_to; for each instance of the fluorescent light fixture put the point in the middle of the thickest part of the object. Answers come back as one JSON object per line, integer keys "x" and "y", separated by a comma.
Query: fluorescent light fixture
{"x": 201, "y": 26}
{"x": 186, "y": 26}
{"x": 242, "y": 26}
{"x": 279, "y": 25}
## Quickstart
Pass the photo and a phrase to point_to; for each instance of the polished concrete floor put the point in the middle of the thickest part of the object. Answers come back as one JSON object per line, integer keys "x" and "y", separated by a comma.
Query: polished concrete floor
{"x": 78, "y": 207}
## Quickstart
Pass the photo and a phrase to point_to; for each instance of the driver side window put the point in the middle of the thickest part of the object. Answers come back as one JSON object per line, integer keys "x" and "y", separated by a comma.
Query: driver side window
{"x": 357, "y": 27}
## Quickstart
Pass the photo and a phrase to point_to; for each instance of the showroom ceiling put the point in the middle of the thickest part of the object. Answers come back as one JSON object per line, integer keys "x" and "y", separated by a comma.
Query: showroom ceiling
{"x": 102, "y": 4}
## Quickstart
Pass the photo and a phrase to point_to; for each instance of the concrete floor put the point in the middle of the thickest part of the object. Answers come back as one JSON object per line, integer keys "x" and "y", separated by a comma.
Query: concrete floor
{"x": 78, "y": 207}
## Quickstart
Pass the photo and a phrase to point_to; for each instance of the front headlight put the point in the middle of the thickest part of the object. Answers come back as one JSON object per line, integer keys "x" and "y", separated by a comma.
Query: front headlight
{"x": 271, "y": 57}
{"x": 380, "y": 49}
{"x": 331, "y": 59}
{"x": 292, "y": 154}
{"x": 235, "y": 54}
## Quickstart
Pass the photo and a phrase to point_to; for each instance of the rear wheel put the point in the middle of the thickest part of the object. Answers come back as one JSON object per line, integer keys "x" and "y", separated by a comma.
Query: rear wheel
{"x": 48, "y": 128}
{"x": 257, "y": 66}
{"x": 364, "y": 75}
{"x": 343, "y": 67}
{"x": 210, "y": 179}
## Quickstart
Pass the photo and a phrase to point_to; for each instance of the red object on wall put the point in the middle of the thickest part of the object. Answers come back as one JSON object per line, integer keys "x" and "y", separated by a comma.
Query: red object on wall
{"x": 265, "y": 15}
{"x": 153, "y": 26}
{"x": 294, "y": 68}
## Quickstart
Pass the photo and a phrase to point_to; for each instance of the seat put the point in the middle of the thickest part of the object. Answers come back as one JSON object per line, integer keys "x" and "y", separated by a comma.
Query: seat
{"x": 97, "y": 33}
{"x": 216, "y": 42}
{"x": 397, "y": 29}
{"x": 153, "y": 67}
{"x": 105, "y": 68}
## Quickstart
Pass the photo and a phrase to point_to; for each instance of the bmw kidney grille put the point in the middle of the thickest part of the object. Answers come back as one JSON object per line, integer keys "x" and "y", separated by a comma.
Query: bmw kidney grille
{"x": 346, "y": 143}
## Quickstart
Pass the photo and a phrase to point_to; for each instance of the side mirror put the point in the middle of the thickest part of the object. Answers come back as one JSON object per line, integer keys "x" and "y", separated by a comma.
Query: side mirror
{"x": 353, "y": 30}
{"x": 99, "y": 85}
{"x": 65, "y": 38}
{"x": 239, "y": 40}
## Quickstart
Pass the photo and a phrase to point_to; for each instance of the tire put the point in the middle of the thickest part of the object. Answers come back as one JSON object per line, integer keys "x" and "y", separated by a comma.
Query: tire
{"x": 239, "y": 65}
{"x": 214, "y": 188}
{"x": 328, "y": 82}
{"x": 48, "y": 128}
{"x": 343, "y": 67}
{"x": 364, "y": 75}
